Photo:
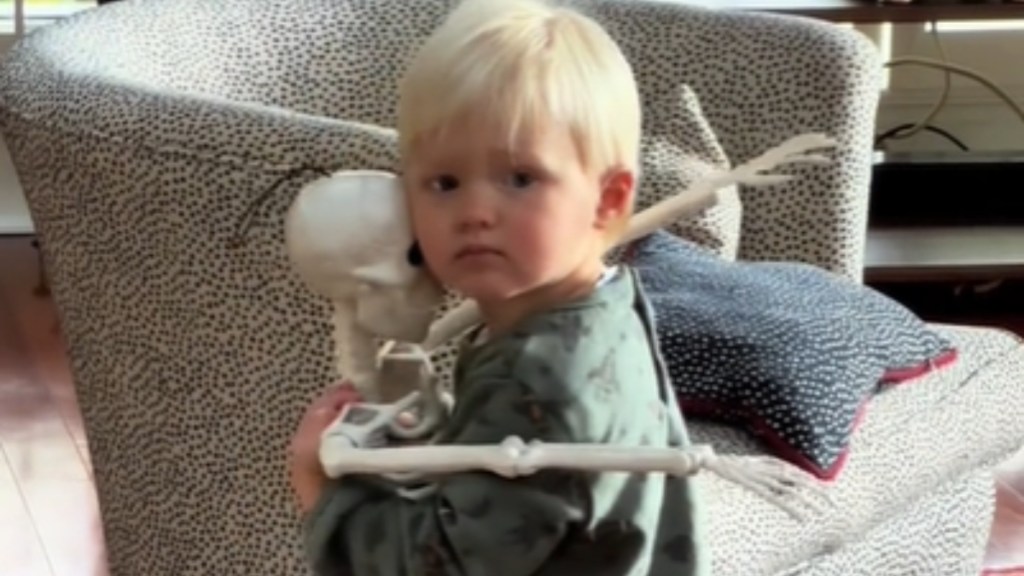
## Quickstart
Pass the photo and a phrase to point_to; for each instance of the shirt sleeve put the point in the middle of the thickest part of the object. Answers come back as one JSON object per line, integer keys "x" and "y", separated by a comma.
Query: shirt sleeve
{"x": 472, "y": 523}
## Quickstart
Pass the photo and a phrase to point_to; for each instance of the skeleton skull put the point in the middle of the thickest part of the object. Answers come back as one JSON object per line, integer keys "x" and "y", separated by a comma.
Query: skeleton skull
{"x": 348, "y": 237}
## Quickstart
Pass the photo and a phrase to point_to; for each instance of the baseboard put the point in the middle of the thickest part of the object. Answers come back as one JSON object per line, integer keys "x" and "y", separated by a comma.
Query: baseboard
{"x": 15, "y": 224}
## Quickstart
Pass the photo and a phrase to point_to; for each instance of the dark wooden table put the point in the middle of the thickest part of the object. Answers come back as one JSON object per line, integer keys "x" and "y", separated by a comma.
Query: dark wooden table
{"x": 870, "y": 11}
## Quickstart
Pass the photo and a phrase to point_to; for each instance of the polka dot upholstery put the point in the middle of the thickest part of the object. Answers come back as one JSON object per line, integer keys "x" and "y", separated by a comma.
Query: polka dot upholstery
{"x": 790, "y": 351}
{"x": 160, "y": 142}
{"x": 916, "y": 487}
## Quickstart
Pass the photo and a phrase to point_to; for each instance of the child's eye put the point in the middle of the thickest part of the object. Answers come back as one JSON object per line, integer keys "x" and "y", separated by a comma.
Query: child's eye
{"x": 521, "y": 179}
{"x": 444, "y": 183}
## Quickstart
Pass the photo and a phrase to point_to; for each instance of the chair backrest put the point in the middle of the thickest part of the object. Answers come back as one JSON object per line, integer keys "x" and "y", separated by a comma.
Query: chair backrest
{"x": 760, "y": 79}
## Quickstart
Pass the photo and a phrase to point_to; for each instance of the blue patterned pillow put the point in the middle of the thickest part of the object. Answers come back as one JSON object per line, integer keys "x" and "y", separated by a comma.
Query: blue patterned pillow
{"x": 790, "y": 350}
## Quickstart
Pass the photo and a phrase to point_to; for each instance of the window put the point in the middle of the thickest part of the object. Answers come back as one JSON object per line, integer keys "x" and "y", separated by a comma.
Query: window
{"x": 971, "y": 112}
{"x": 992, "y": 48}
{"x": 20, "y": 16}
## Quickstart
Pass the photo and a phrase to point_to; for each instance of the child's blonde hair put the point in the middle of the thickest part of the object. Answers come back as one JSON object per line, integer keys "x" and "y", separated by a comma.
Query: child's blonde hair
{"x": 522, "y": 62}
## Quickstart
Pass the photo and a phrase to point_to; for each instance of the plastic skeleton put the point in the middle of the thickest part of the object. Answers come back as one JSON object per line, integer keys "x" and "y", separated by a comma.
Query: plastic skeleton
{"x": 377, "y": 293}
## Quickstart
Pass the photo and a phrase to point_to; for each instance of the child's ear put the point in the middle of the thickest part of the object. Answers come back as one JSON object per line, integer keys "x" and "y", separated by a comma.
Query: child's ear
{"x": 617, "y": 189}
{"x": 414, "y": 256}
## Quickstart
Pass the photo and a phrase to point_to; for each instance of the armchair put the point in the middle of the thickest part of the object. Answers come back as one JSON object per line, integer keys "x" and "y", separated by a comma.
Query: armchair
{"x": 159, "y": 144}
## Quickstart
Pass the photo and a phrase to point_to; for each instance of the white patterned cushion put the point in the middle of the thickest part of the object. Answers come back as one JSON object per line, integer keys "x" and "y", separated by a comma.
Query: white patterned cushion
{"x": 679, "y": 147}
{"x": 913, "y": 441}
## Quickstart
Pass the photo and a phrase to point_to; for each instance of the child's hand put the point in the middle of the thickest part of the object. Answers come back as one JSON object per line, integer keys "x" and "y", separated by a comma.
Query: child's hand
{"x": 306, "y": 473}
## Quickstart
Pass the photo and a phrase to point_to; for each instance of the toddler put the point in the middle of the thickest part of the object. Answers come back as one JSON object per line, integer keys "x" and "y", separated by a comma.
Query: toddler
{"x": 519, "y": 130}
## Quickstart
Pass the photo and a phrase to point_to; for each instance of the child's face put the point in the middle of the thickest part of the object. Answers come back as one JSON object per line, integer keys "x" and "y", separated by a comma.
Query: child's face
{"x": 495, "y": 223}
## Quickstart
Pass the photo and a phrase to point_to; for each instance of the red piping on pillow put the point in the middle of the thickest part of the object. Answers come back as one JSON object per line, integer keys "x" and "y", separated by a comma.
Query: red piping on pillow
{"x": 903, "y": 375}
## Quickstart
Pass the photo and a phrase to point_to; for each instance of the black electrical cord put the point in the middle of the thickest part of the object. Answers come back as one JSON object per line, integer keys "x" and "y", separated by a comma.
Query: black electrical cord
{"x": 894, "y": 132}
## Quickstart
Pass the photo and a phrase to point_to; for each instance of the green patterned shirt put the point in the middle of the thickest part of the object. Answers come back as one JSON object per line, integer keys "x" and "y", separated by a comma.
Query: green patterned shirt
{"x": 588, "y": 371}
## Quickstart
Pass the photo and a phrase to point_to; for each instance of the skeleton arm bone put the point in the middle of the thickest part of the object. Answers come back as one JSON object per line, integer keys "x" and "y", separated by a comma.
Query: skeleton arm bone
{"x": 510, "y": 459}
{"x": 703, "y": 193}
{"x": 770, "y": 479}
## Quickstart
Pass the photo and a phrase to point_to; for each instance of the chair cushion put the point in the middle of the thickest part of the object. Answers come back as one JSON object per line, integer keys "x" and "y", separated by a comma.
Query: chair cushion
{"x": 678, "y": 147}
{"x": 912, "y": 441}
{"x": 790, "y": 350}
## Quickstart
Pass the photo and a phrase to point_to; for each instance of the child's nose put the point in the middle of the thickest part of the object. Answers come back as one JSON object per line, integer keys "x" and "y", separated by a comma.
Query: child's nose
{"x": 476, "y": 211}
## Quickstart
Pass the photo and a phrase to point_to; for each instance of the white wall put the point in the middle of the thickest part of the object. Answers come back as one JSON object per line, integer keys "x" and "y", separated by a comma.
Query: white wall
{"x": 14, "y": 218}
{"x": 973, "y": 114}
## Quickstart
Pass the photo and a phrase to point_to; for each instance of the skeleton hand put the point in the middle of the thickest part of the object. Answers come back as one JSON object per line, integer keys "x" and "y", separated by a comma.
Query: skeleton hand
{"x": 774, "y": 480}
{"x": 793, "y": 151}
{"x": 703, "y": 192}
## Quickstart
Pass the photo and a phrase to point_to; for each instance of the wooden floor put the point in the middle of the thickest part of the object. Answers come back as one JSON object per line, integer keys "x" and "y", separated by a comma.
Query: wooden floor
{"x": 49, "y": 519}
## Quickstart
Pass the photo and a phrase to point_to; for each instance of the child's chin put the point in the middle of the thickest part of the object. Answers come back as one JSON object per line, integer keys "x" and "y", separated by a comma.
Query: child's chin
{"x": 485, "y": 295}
{"x": 486, "y": 291}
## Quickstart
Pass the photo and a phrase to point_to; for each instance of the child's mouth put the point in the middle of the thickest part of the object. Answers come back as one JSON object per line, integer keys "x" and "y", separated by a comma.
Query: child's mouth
{"x": 476, "y": 251}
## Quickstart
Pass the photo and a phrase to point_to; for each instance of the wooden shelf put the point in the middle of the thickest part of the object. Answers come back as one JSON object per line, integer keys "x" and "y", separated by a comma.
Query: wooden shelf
{"x": 870, "y": 11}
{"x": 944, "y": 253}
